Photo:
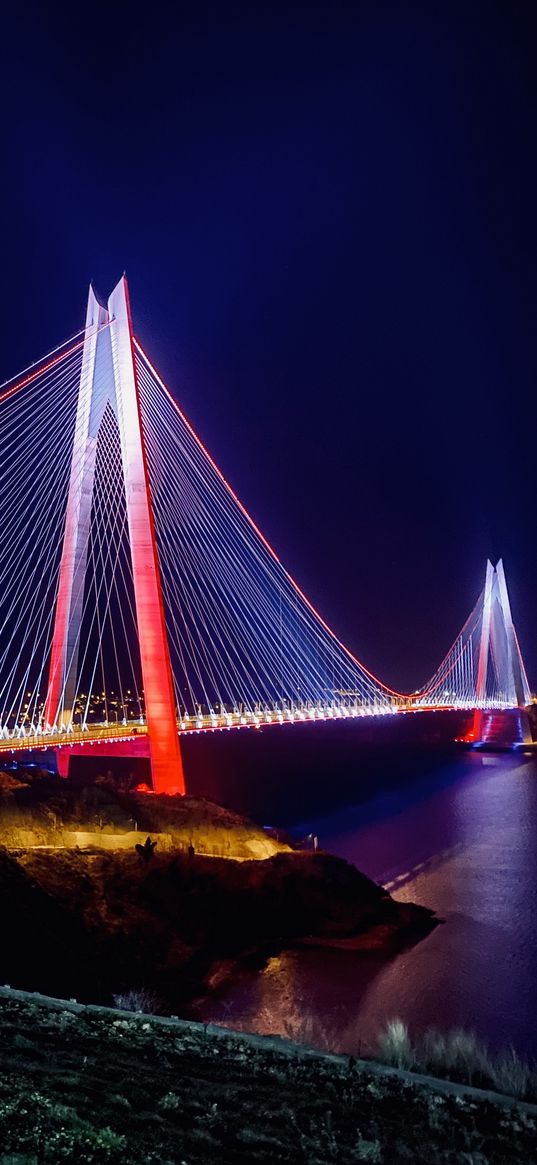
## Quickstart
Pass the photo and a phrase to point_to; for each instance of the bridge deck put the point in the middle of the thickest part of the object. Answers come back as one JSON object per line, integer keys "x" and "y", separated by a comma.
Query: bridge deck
{"x": 23, "y": 741}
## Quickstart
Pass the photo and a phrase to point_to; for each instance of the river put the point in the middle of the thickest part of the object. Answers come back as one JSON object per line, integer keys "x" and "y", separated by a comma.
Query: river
{"x": 462, "y": 840}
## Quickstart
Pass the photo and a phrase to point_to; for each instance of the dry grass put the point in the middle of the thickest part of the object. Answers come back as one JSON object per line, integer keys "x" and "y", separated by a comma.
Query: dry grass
{"x": 515, "y": 1076}
{"x": 394, "y": 1045}
{"x": 458, "y": 1055}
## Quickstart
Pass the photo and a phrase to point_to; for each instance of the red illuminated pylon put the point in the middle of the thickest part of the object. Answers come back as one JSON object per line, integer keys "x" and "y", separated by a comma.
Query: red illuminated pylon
{"x": 109, "y": 374}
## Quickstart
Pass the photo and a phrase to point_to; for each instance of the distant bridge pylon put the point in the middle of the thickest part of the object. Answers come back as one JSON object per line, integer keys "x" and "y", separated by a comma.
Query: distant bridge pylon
{"x": 140, "y": 601}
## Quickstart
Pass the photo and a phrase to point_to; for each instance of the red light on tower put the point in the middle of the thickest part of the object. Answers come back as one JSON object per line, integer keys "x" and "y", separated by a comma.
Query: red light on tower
{"x": 109, "y": 342}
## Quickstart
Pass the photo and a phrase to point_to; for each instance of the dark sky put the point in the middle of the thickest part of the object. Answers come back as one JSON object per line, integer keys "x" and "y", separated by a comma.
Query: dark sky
{"x": 327, "y": 214}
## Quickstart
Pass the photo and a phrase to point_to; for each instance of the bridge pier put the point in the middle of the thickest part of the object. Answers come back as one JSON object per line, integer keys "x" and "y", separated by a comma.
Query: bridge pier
{"x": 505, "y": 728}
{"x": 108, "y": 750}
{"x": 62, "y": 761}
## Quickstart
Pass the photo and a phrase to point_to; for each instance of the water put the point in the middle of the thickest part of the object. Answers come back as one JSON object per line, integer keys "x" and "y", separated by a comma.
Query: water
{"x": 461, "y": 840}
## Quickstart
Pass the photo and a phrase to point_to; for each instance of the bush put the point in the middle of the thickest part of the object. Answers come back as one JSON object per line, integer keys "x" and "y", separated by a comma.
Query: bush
{"x": 93, "y": 1146}
{"x": 170, "y": 1102}
{"x": 34, "y": 1124}
{"x": 138, "y": 1000}
{"x": 368, "y": 1150}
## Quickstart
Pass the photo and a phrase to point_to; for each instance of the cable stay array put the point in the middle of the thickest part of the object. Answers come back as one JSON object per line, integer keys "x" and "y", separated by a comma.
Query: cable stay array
{"x": 38, "y": 462}
{"x": 243, "y": 638}
{"x": 454, "y": 681}
{"x": 484, "y": 667}
{"x": 243, "y": 635}
{"x": 245, "y": 644}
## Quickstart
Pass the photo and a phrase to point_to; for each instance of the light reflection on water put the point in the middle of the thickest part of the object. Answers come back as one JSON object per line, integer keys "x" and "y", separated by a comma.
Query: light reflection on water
{"x": 464, "y": 843}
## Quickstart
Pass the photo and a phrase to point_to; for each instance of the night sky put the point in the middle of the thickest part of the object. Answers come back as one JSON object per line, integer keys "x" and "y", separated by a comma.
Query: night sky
{"x": 327, "y": 214}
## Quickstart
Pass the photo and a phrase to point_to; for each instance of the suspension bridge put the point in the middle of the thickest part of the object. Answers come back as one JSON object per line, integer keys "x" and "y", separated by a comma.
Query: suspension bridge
{"x": 140, "y": 601}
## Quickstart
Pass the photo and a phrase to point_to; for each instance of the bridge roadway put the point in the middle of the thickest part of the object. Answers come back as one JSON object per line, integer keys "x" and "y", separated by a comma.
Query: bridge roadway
{"x": 135, "y": 731}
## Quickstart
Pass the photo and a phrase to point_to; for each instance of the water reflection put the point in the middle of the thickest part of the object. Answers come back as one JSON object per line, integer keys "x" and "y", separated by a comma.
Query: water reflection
{"x": 463, "y": 842}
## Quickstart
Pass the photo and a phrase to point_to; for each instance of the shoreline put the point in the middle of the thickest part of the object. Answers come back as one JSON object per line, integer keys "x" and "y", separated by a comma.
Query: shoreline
{"x": 110, "y": 918}
{"x": 185, "y": 927}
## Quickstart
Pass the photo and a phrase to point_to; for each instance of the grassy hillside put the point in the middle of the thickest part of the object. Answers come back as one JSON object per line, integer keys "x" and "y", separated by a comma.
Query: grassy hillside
{"x": 37, "y": 808}
{"x": 96, "y": 1086}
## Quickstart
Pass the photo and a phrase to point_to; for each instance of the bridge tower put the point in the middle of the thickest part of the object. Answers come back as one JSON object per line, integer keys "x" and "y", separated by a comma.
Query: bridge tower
{"x": 108, "y": 374}
{"x": 498, "y": 643}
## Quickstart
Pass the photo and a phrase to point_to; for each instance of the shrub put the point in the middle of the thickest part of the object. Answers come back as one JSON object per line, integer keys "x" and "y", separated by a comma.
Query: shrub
{"x": 92, "y": 1146}
{"x": 35, "y": 1124}
{"x": 137, "y": 999}
{"x": 368, "y": 1150}
{"x": 170, "y": 1102}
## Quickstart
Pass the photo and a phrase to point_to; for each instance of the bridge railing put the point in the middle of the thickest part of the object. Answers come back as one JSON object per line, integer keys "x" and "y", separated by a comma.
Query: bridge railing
{"x": 23, "y": 738}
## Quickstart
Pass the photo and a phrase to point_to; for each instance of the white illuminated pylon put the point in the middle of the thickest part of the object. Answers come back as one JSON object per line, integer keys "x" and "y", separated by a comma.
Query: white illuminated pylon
{"x": 499, "y": 651}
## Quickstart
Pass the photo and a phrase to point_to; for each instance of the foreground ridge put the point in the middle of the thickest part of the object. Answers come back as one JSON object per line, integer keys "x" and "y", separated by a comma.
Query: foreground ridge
{"x": 164, "y": 1087}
